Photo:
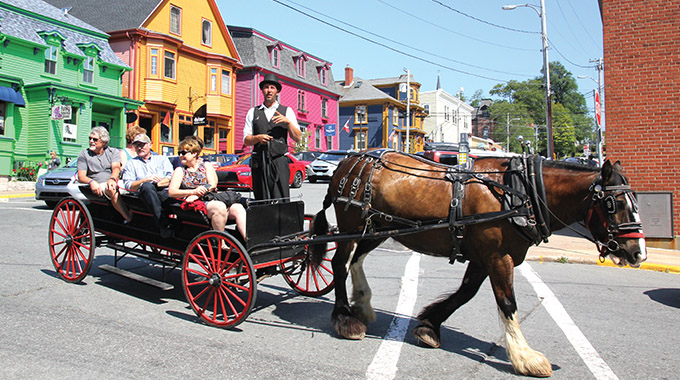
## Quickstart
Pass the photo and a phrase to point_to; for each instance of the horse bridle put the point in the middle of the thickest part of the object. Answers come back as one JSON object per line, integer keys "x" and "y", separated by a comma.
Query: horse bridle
{"x": 604, "y": 208}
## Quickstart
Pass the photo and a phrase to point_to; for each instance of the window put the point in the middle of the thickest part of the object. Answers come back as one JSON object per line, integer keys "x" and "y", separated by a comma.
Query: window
{"x": 360, "y": 115}
{"x": 322, "y": 76}
{"x": 226, "y": 82}
{"x": 301, "y": 101}
{"x": 213, "y": 80}
{"x": 166, "y": 129}
{"x": 427, "y": 108}
{"x": 51, "y": 59}
{"x": 303, "y": 127}
{"x": 395, "y": 116}
{"x": 2, "y": 118}
{"x": 71, "y": 126}
{"x": 446, "y": 112}
{"x": 324, "y": 108}
{"x": 206, "y": 35}
{"x": 175, "y": 20}
{"x": 317, "y": 138}
{"x": 209, "y": 135}
{"x": 360, "y": 140}
{"x": 153, "y": 68}
{"x": 300, "y": 67}
{"x": 170, "y": 65}
{"x": 329, "y": 142}
{"x": 88, "y": 69}
{"x": 275, "y": 57}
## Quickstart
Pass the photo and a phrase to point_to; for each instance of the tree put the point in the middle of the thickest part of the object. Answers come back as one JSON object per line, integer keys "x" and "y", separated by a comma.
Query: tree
{"x": 564, "y": 133}
{"x": 476, "y": 98}
{"x": 303, "y": 144}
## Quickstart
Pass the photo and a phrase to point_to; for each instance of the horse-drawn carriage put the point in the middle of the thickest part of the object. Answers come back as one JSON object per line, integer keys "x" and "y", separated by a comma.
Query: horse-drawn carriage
{"x": 220, "y": 272}
{"x": 488, "y": 217}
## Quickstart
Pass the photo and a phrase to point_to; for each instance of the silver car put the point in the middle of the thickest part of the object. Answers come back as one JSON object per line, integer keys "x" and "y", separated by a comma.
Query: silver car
{"x": 324, "y": 166}
{"x": 59, "y": 183}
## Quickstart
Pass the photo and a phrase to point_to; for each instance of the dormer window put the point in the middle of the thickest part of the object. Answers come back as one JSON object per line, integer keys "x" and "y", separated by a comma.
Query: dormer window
{"x": 300, "y": 68}
{"x": 51, "y": 59}
{"x": 88, "y": 69}
{"x": 274, "y": 55}
{"x": 206, "y": 35}
{"x": 323, "y": 74}
{"x": 175, "y": 20}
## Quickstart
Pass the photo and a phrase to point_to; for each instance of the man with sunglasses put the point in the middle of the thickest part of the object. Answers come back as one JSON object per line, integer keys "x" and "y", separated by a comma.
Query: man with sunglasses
{"x": 99, "y": 167}
{"x": 149, "y": 175}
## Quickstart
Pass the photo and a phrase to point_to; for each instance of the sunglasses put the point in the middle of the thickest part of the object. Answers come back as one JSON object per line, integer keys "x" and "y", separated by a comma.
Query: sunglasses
{"x": 183, "y": 152}
{"x": 94, "y": 139}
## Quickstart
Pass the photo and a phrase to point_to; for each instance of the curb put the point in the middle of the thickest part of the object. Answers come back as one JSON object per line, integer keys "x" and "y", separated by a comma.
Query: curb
{"x": 588, "y": 260}
{"x": 20, "y": 195}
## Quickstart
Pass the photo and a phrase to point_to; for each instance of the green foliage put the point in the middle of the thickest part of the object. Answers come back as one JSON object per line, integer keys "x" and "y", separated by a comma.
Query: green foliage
{"x": 26, "y": 171}
{"x": 526, "y": 100}
{"x": 303, "y": 144}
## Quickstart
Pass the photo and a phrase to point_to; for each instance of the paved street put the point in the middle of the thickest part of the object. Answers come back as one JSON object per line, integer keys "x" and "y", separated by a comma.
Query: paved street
{"x": 590, "y": 321}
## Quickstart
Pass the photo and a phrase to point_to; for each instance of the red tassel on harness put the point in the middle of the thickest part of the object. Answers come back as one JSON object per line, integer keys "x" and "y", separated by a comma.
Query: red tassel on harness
{"x": 197, "y": 206}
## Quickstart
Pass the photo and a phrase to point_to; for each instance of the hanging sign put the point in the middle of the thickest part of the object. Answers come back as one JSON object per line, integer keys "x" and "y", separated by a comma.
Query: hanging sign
{"x": 61, "y": 112}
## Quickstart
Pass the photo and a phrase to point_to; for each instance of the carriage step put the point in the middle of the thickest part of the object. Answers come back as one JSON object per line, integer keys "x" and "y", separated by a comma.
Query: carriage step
{"x": 137, "y": 277}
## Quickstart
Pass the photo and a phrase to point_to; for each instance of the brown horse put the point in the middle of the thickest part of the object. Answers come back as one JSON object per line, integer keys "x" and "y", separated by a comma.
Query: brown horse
{"x": 372, "y": 193}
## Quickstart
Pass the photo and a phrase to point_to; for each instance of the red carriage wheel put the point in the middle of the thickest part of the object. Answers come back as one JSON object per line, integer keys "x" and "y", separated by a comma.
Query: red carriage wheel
{"x": 71, "y": 239}
{"x": 218, "y": 279}
{"x": 304, "y": 277}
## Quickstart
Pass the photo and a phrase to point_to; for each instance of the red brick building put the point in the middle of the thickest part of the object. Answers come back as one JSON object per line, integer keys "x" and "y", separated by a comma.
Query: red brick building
{"x": 642, "y": 88}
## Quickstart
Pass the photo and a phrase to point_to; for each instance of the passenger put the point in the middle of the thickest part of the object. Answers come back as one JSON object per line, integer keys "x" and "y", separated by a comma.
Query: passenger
{"x": 99, "y": 166}
{"x": 149, "y": 174}
{"x": 129, "y": 152}
{"x": 194, "y": 179}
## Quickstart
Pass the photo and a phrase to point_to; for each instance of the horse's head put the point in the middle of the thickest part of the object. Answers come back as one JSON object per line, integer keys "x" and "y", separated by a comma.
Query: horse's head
{"x": 613, "y": 218}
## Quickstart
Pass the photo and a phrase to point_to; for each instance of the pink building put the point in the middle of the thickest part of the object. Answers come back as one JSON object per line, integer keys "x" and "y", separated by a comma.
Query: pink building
{"x": 307, "y": 87}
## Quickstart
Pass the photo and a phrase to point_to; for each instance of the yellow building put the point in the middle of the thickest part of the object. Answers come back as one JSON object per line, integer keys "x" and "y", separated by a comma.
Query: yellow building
{"x": 183, "y": 61}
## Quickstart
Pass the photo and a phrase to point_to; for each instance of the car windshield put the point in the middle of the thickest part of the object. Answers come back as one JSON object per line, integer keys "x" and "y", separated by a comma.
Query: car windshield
{"x": 72, "y": 164}
{"x": 332, "y": 157}
{"x": 245, "y": 160}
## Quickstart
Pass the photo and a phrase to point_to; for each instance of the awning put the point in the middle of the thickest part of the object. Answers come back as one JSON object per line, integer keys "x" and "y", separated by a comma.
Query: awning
{"x": 8, "y": 94}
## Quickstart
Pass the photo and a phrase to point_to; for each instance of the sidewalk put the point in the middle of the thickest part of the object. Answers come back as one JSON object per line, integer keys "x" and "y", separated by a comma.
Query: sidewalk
{"x": 566, "y": 246}
{"x": 563, "y": 246}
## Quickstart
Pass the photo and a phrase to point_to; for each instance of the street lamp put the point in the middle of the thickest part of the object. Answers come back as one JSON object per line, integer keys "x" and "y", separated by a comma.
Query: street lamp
{"x": 546, "y": 67}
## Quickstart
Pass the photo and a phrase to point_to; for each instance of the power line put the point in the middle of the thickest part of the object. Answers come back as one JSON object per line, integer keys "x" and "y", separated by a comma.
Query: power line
{"x": 453, "y": 31}
{"x": 583, "y": 26}
{"x": 387, "y": 46}
{"x": 484, "y": 21}
{"x": 404, "y": 45}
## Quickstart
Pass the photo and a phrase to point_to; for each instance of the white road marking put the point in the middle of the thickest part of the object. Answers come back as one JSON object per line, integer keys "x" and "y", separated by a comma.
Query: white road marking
{"x": 597, "y": 366}
{"x": 384, "y": 364}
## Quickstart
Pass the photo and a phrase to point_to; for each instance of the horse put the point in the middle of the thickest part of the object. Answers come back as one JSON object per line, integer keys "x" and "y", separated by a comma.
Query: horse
{"x": 373, "y": 193}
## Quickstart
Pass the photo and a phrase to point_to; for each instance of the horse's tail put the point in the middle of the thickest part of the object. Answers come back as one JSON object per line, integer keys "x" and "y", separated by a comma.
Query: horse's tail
{"x": 320, "y": 228}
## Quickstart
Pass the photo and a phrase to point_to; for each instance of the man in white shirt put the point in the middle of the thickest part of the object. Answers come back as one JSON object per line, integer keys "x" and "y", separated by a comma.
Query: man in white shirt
{"x": 267, "y": 128}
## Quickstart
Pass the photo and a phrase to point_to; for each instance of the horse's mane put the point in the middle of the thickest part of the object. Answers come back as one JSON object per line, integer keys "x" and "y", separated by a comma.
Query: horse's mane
{"x": 570, "y": 166}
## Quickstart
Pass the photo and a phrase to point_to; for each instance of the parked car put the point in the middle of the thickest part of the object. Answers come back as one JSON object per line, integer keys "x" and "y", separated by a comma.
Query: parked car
{"x": 307, "y": 156}
{"x": 59, "y": 183}
{"x": 324, "y": 166}
{"x": 220, "y": 159}
{"x": 239, "y": 176}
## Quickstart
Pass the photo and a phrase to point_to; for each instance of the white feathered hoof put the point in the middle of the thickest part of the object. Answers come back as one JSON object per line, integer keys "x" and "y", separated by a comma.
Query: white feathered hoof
{"x": 532, "y": 363}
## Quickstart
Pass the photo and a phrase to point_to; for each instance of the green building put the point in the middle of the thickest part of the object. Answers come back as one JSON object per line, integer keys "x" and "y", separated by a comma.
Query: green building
{"x": 58, "y": 78}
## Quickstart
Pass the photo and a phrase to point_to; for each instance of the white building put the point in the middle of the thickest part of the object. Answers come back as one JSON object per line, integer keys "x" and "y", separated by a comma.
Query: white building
{"x": 448, "y": 116}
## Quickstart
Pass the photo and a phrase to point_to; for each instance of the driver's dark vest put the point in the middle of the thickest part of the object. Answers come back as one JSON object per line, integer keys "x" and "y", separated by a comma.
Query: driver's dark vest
{"x": 279, "y": 131}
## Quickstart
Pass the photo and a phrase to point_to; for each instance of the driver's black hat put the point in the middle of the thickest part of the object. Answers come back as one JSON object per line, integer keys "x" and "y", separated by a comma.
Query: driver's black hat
{"x": 271, "y": 79}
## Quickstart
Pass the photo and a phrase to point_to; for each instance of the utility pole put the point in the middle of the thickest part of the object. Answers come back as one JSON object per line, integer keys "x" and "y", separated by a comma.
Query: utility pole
{"x": 600, "y": 67}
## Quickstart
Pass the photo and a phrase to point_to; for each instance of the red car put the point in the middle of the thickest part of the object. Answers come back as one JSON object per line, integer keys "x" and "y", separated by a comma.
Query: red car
{"x": 238, "y": 174}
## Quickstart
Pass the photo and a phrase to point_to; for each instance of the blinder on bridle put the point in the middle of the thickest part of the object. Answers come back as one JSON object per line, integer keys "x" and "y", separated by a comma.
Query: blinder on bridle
{"x": 605, "y": 207}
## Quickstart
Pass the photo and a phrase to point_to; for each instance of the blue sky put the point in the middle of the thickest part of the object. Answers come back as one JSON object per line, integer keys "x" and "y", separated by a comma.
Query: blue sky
{"x": 470, "y": 44}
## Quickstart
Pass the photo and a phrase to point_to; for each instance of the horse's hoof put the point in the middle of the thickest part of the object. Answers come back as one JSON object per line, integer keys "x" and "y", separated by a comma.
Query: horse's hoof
{"x": 427, "y": 335}
{"x": 349, "y": 327}
{"x": 533, "y": 364}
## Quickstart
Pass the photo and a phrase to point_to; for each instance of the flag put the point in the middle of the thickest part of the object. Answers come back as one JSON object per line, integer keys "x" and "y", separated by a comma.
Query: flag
{"x": 346, "y": 126}
{"x": 394, "y": 131}
{"x": 166, "y": 119}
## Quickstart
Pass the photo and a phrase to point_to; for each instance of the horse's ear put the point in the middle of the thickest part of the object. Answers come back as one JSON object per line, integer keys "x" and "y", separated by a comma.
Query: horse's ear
{"x": 606, "y": 171}
{"x": 617, "y": 166}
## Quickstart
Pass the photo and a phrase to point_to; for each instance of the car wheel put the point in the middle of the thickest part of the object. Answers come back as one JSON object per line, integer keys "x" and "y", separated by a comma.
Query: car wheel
{"x": 51, "y": 204}
{"x": 297, "y": 180}
{"x": 312, "y": 179}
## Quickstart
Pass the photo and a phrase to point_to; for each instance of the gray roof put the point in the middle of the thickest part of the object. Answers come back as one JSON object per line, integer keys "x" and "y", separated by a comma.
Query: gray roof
{"x": 43, "y": 17}
{"x": 110, "y": 15}
{"x": 394, "y": 80}
{"x": 254, "y": 52}
{"x": 361, "y": 90}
